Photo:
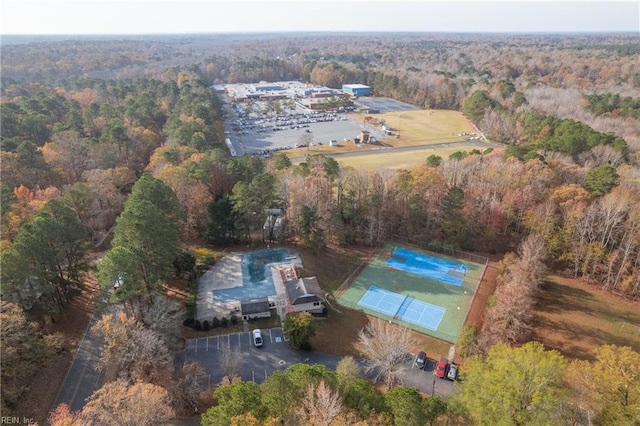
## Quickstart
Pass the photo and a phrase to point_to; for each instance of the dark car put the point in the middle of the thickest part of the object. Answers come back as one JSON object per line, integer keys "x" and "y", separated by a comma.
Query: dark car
{"x": 441, "y": 368}
{"x": 453, "y": 372}
{"x": 421, "y": 360}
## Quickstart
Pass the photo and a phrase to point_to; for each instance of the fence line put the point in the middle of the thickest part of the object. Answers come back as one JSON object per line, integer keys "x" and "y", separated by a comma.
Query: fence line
{"x": 343, "y": 287}
{"x": 473, "y": 298}
{"x": 444, "y": 249}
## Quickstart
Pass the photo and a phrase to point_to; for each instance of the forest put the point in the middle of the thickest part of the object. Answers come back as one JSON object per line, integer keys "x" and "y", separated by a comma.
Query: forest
{"x": 123, "y": 139}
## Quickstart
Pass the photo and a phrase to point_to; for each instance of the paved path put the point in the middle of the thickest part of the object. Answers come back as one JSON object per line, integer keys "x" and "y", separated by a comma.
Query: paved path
{"x": 256, "y": 364}
{"x": 82, "y": 378}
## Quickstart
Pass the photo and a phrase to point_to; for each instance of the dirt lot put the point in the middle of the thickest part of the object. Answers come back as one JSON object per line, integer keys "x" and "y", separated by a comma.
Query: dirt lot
{"x": 575, "y": 318}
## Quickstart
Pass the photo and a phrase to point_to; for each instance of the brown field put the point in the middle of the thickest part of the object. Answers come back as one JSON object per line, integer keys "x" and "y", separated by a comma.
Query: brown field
{"x": 575, "y": 318}
{"x": 421, "y": 127}
{"x": 396, "y": 160}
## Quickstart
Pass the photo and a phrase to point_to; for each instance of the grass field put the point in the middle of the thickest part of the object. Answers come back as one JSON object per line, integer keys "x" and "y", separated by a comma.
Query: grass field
{"x": 455, "y": 300}
{"x": 575, "y": 318}
{"x": 395, "y": 160}
{"x": 422, "y": 127}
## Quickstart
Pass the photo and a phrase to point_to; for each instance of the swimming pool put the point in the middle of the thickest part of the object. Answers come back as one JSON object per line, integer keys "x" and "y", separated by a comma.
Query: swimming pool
{"x": 427, "y": 266}
{"x": 257, "y": 281}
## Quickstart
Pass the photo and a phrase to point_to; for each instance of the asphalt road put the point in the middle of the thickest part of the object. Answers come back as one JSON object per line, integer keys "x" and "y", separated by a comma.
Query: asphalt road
{"x": 82, "y": 378}
{"x": 461, "y": 144}
{"x": 256, "y": 364}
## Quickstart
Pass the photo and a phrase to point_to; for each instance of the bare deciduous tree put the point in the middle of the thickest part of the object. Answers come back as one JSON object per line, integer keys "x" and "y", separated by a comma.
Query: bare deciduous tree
{"x": 117, "y": 403}
{"x": 508, "y": 321}
{"x": 188, "y": 387}
{"x": 138, "y": 352}
{"x": 164, "y": 316}
{"x": 320, "y": 405}
{"x": 385, "y": 346}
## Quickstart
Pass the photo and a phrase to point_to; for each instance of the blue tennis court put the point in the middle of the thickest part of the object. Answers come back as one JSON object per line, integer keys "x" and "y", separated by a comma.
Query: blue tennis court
{"x": 402, "y": 307}
{"x": 427, "y": 266}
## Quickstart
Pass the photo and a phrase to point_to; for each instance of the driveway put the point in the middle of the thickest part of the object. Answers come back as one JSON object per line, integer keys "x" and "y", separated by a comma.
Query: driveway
{"x": 256, "y": 364}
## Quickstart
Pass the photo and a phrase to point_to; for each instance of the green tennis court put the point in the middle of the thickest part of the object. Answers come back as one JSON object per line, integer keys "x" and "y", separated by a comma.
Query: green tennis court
{"x": 437, "y": 294}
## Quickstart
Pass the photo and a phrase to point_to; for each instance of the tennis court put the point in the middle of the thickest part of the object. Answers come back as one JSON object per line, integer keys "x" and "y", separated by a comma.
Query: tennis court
{"x": 401, "y": 307}
{"x": 447, "y": 271}
{"x": 424, "y": 291}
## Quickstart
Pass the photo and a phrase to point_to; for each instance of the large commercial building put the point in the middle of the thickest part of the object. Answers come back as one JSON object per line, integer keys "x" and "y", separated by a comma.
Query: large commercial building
{"x": 356, "y": 89}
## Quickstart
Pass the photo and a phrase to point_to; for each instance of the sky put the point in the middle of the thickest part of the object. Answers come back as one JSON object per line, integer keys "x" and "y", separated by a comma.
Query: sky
{"x": 241, "y": 16}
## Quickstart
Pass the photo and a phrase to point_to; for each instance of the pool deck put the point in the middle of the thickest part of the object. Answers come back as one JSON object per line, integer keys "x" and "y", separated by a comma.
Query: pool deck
{"x": 226, "y": 273}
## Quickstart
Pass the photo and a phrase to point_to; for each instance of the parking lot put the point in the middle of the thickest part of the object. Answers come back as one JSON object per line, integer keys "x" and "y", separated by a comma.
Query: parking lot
{"x": 383, "y": 105}
{"x": 257, "y": 363}
{"x": 255, "y": 134}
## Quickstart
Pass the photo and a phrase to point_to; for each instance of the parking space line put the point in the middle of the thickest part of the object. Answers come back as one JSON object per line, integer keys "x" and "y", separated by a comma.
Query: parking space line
{"x": 249, "y": 337}
{"x": 239, "y": 345}
{"x": 270, "y": 336}
{"x": 207, "y": 344}
{"x": 196, "y": 346}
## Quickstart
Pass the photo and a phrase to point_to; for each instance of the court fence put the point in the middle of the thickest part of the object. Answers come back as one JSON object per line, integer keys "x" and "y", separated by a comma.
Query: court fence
{"x": 345, "y": 284}
{"x": 441, "y": 247}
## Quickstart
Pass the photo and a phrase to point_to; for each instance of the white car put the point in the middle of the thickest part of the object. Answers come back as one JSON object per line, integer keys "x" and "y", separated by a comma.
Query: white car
{"x": 257, "y": 337}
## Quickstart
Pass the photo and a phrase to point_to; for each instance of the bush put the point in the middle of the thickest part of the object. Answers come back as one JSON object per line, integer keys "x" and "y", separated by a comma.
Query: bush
{"x": 197, "y": 326}
{"x": 467, "y": 341}
{"x": 215, "y": 322}
{"x": 190, "y": 305}
{"x": 188, "y": 322}
{"x": 234, "y": 319}
{"x": 491, "y": 302}
{"x": 224, "y": 322}
{"x": 184, "y": 262}
{"x": 205, "y": 325}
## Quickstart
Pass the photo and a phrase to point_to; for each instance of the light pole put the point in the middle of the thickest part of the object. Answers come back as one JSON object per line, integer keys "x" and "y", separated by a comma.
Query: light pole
{"x": 433, "y": 386}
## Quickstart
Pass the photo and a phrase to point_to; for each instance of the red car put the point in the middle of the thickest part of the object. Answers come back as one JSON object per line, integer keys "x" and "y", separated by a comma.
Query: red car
{"x": 441, "y": 367}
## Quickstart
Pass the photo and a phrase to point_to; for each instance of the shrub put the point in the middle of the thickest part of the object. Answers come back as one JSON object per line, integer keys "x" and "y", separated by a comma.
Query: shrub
{"x": 466, "y": 344}
{"x": 234, "y": 319}
{"x": 205, "y": 325}
{"x": 197, "y": 326}
{"x": 224, "y": 322}
{"x": 188, "y": 322}
{"x": 215, "y": 322}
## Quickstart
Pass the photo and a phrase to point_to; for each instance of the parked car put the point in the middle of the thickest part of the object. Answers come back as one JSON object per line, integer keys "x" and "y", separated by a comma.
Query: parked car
{"x": 441, "y": 368}
{"x": 453, "y": 372}
{"x": 257, "y": 337}
{"x": 421, "y": 360}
